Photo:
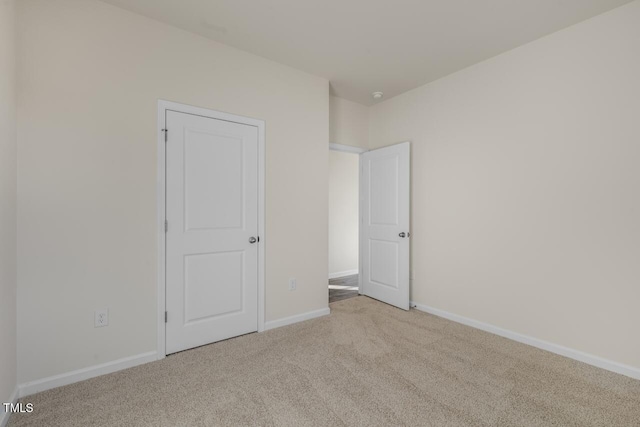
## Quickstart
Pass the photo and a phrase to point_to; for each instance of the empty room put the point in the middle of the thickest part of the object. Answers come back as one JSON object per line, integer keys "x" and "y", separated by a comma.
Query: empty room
{"x": 319, "y": 213}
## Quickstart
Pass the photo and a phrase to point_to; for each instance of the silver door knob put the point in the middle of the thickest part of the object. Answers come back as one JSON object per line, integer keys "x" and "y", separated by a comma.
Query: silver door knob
{"x": 403, "y": 234}
{"x": 252, "y": 239}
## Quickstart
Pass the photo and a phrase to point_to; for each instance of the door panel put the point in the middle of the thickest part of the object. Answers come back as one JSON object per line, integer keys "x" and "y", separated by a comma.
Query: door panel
{"x": 213, "y": 172}
{"x": 212, "y": 211}
{"x": 384, "y": 263}
{"x": 385, "y": 215}
{"x": 384, "y": 190}
{"x": 211, "y": 285}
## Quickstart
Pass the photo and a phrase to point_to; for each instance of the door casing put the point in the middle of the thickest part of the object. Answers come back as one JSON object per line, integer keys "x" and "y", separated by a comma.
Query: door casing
{"x": 163, "y": 107}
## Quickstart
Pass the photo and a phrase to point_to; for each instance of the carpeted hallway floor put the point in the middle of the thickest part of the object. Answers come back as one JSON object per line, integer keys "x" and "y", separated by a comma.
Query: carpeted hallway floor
{"x": 366, "y": 364}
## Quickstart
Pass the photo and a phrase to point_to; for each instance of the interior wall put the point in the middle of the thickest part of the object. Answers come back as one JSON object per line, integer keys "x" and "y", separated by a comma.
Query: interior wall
{"x": 8, "y": 203}
{"x": 348, "y": 123}
{"x": 525, "y": 187}
{"x": 344, "y": 170}
{"x": 90, "y": 79}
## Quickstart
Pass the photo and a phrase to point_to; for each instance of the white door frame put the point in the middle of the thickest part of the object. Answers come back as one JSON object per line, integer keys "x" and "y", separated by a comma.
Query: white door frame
{"x": 346, "y": 148}
{"x": 358, "y": 151}
{"x": 163, "y": 106}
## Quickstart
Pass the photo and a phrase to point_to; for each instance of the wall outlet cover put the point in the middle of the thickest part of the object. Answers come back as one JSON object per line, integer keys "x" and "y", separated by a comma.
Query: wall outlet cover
{"x": 101, "y": 318}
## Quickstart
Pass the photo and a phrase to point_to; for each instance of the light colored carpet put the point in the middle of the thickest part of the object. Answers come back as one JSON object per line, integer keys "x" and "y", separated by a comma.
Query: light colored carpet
{"x": 366, "y": 364}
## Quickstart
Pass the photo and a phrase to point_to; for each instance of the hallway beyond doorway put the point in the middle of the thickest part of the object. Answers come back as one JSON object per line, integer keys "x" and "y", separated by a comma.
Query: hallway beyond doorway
{"x": 343, "y": 287}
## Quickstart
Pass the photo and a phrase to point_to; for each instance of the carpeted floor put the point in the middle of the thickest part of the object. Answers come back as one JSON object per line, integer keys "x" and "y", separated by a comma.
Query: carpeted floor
{"x": 366, "y": 364}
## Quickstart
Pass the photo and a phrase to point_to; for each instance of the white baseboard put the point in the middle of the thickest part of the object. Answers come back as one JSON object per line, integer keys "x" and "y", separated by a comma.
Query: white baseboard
{"x": 60, "y": 380}
{"x": 590, "y": 359}
{"x": 4, "y": 416}
{"x": 343, "y": 274}
{"x": 272, "y": 324}
{"x": 48, "y": 383}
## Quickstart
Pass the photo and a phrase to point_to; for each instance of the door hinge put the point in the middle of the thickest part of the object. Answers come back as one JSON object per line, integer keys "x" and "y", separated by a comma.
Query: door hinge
{"x": 166, "y": 225}
{"x": 166, "y": 315}
{"x": 166, "y": 132}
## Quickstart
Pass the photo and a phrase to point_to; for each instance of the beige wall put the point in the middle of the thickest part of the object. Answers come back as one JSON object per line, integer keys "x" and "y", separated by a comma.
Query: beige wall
{"x": 91, "y": 76}
{"x": 8, "y": 164}
{"x": 348, "y": 123}
{"x": 525, "y": 187}
{"x": 344, "y": 169}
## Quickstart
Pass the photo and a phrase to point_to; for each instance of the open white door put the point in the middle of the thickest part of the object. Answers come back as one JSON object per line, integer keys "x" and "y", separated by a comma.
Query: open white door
{"x": 384, "y": 235}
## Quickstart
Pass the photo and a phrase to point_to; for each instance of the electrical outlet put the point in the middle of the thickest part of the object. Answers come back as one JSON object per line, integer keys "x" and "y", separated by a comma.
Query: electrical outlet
{"x": 101, "y": 318}
{"x": 293, "y": 284}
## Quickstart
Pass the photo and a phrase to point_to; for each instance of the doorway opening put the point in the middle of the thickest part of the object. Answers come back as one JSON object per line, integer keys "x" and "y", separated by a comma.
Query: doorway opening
{"x": 376, "y": 239}
{"x": 344, "y": 218}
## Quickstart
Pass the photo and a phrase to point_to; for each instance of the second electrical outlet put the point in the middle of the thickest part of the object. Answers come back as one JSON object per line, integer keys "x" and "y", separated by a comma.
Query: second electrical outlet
{"x": 293, "y": 284}
{"x": 101, "y": 318}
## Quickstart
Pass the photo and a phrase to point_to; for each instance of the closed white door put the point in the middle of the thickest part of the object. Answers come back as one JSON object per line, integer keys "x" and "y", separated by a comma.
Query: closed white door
{"x": 212, "y": 241}
{"x": 385, "y": 207}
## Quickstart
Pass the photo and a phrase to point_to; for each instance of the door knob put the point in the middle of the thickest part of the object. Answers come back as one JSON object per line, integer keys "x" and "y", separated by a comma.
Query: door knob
{"x": 403, "y": 234}
{"x": 252, "y": 239}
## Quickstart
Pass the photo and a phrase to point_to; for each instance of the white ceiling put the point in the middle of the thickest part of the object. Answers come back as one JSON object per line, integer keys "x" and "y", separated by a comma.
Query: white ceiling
{"x": 363, "y": 46}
